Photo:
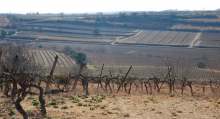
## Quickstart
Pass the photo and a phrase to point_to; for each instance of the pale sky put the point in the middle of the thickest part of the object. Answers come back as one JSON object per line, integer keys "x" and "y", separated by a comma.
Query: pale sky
{"x": 86, "y": 6}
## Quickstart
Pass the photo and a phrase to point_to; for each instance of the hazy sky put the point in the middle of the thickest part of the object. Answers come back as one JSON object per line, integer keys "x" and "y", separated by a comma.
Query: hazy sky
{"x": 86, "y": 6}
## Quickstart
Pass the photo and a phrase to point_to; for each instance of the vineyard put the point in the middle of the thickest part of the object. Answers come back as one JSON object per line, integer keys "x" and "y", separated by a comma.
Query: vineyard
{"x": 151, "y": 71}
{"x": 208, "y": 40}
{"x": 65, "y": 32}
{"x": 46, "y": 59}
{"x": 162, "y": 38}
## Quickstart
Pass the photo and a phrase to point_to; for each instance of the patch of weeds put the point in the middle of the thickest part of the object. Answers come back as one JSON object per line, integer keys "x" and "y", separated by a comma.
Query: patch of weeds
{"x": 75, "y": 101}
{"x": 54, "y": 100}
{"x": 126, "y": 115}
{"x": 97, "y": 106}
{"x": 152, "y": 109}
{"x": 89, "y": 105}
{"x": 116, "y": 112}
{"x": 85, "y": 105}
{"x": 30, "y": 113}
{"x": 153, "y": 100}
{"x": 86, "y": 100}
{"x": 65, "y": 107}
{"x": 80, "y": 104}
{"x": 47, "y": 105}
{"x": 82, "y": 96}
{"x": 35, "y": 102}
{"x": 146, "y": 101}
{"x": 55, "y": 106}
{"x": 30, "y": 98}
{"x": 52, "y": 103}
{"x": 12, "y": 113}
{"x": 103, "y": 97}
{"x": 159, "y": 112}
{"x": 114, "y": 108}
{"x": 92, "y": 108}
{"x": 179, "y": 111}
{"x": 172, "y": 95}
{"x": 8, "y": 101}
{"x": 207, "y": 107}
{"x": 174, "y": 114}
{"x": 72, "y": 98}
{"x": 99, "y": 100}
{"x": 63, "y": 101}
{"x": 109, "y": 112}
{"x": 103, "y": 107}
{"x": 83, "y": 111}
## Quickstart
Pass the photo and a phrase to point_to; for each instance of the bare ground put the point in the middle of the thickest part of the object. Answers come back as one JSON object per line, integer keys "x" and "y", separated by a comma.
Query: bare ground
{"x": 137, "y": 105}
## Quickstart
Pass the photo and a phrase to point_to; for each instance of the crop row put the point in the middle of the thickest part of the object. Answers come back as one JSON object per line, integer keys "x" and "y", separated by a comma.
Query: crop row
{"x": 35, "y": 34}
{"x": 46, "y": 58}
{"x": 83, "y": 27}
{"x": 160, "y": 72}
{"x": 163, "y": 37}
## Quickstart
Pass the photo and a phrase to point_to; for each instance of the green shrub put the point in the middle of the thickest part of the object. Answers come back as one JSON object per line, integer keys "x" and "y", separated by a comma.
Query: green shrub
{"x": 201, "y": 65}
{"x": 30, "y": 98}
{"x": 126, "y": 115}
{"x": 35, "y": 102}
{"x": 65, "y": 107}
{"x": 80, "y": 104}
{"x": 52, "y": 103}
{"x": 55, "y": 106}
{"x": 12, "y": 113}
{"x": 159, "y": 112}
{"x": 109, "y": 112}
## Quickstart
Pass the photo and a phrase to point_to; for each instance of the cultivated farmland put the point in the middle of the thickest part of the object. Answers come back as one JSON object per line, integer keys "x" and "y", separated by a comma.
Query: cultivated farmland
{"x": 209, "y": 40}
{"x": 162, "y": 38}
{"x": 46, "y": 59}
{"x": 3, "y": 21}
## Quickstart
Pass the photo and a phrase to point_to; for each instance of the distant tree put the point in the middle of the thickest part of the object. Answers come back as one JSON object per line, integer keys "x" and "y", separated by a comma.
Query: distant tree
{"x": 73, "y": 53}
{"x": 26, "y": 60}
{"x": 11, "y": 32}
{"x": 67, "y": 49}
{"x": 37, "y": 13}
{"x": 96, "y": 32}
{"x": 201, "y": 65}
{"x": 40, "y": 28}
{"x": 61, "y": 14}
{"x": 40, "y": 46}
{"x": 99, "y": 13}
{"x": 134, "y": 14}
{"x": 3, "y": 33}
{"x": 80, "y": 58}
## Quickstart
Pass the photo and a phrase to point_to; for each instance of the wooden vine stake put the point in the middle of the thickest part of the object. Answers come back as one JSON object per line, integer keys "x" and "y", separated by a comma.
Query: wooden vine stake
{"x": 51, "y": 73}
{"x": 77, "y": 78}
{"x": 124, "y": 79}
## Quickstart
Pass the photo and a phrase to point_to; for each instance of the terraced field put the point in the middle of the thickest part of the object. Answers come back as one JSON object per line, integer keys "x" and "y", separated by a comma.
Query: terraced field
{"x": 72, "y": 33}
{"x": 46, "y": 59}
{"x": 161, "y": 38}
{"x": 208, "y": 40}
{"x": 3, "y": 21}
